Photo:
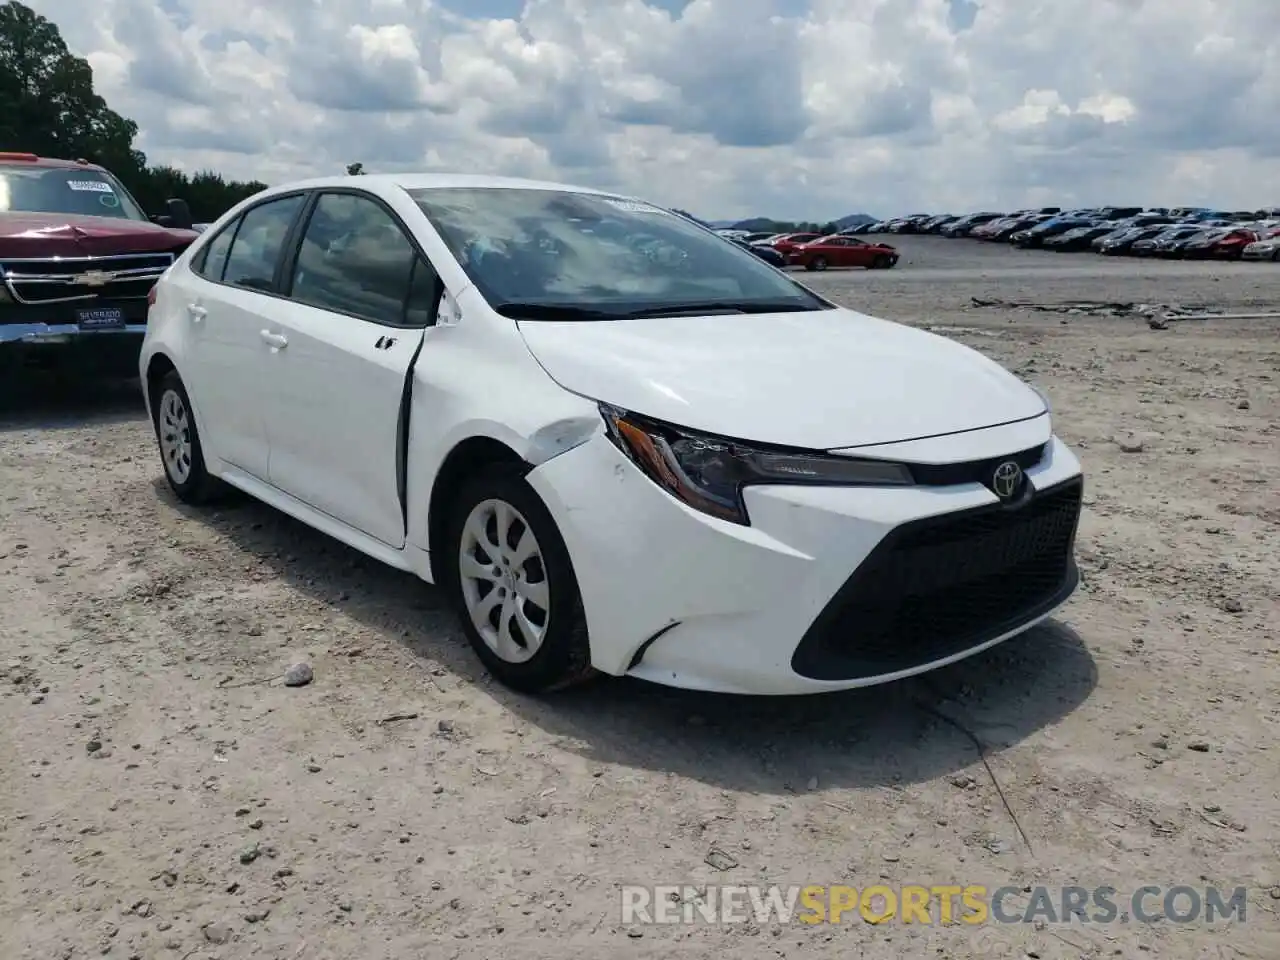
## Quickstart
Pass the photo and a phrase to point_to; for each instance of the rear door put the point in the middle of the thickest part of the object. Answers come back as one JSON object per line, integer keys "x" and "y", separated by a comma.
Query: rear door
{"x": 231, "y": 284}
{"x": 340, "y": 350}
{"x": 857, "y": 254}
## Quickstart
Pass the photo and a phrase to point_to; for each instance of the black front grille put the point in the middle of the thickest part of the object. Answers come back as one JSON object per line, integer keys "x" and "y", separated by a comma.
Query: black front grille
{"x": 83, "y": 279}
{"x": 939, "y": 586}
{"x": 973, "y": 471}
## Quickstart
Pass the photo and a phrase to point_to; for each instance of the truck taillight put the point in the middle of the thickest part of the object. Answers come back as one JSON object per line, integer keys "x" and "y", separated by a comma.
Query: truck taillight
{"x": 151, "y": 295}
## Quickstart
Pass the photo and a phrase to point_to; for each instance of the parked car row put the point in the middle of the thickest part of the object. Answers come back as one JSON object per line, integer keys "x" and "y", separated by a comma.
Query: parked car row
{"x": 815, "y": 251}
{"x": 1180, "y": 232}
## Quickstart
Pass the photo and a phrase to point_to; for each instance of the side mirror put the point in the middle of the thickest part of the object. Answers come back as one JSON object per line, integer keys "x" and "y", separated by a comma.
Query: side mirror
{"x": 178, "y": 214}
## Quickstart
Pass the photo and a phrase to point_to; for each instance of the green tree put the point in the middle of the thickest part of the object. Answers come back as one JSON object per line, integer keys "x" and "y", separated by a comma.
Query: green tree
{"x": 47, "y": 101}
{"x": 355, "y": 169}
{"x": 48, "y": 106}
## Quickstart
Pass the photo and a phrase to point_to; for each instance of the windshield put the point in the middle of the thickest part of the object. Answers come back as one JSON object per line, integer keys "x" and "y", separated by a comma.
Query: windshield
{"x": 556, "y": 254}
{"x": 27, "y": 188}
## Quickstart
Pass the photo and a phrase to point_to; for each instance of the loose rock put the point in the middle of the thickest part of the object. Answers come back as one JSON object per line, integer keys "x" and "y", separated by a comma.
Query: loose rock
{"x": 217, "y": 932}
{"x": 298, "y": 675}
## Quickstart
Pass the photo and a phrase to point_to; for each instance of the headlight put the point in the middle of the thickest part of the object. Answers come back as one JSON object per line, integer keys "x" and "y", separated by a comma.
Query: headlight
{"x": 708, "y": 473}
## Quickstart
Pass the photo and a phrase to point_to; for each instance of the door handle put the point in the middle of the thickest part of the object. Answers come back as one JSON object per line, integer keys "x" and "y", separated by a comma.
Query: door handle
{"x": 196, "y": 312}
{"x": 276, "y": 341}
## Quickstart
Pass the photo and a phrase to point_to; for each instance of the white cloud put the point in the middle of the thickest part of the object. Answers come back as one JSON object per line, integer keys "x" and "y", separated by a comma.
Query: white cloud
{"x": 726, "y": 107}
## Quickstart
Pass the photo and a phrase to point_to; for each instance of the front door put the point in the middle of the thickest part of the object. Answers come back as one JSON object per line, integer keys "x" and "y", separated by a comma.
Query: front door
{"x": 339, "y": 353}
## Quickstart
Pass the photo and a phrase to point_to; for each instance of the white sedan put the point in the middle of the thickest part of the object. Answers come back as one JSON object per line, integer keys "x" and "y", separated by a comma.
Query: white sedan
{"x": 1266, "y": 248}
{"x": 620, "y": 443}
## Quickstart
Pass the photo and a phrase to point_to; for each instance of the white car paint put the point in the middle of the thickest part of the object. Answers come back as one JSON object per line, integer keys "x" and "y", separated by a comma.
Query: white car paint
{"x": 779, "y": 388}
{"x": 300, "y": 408}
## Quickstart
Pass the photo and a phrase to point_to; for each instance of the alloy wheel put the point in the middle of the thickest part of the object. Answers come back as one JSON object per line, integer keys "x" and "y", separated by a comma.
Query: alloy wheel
{"x": 504, "y": 580}
{"x": 175, "y": 436}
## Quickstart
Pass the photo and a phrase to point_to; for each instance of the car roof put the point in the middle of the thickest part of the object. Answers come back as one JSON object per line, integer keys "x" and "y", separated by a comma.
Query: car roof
{"x": 18, "y": 158}
{"x": 388, "y": 182}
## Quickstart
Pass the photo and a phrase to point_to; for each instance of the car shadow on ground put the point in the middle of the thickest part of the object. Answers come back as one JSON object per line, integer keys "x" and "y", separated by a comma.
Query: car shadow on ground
{"x": 54, "y": 399}
{"x": 891, "y": 735}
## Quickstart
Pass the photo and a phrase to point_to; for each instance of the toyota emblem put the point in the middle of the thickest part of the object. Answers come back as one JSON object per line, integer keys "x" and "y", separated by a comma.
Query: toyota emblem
{"x": 1007, "y": 480}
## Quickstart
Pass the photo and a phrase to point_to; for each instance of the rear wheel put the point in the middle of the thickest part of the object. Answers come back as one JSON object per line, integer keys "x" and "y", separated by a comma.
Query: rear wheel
{"x": 514, "y": 587}
{"x": 179, "y": 441}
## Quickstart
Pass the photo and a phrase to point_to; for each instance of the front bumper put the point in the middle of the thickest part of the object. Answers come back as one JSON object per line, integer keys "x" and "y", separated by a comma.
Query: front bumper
{"x": 62, "y": 333}
{"x": 829, "y": 588}
{"x": 112, "y": 352}
{"x": 49, "y": 334}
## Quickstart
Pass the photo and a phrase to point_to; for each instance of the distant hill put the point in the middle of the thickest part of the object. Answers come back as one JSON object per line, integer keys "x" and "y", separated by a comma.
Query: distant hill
{"x": 762, "y": 224}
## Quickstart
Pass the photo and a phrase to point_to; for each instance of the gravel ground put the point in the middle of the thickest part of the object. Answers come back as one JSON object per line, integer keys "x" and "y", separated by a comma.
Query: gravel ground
{"x": 166, "y": 795}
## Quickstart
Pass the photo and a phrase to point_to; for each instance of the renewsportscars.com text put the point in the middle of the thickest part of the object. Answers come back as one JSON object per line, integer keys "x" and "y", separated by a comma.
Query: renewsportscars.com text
{"x": 971, "y": 904}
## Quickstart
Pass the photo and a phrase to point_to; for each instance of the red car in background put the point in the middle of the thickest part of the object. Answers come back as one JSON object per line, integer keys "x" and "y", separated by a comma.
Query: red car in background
{"x": 787, "y": 243}
{"x": 1230, "y": 246}
{"x": 842, "y": 251}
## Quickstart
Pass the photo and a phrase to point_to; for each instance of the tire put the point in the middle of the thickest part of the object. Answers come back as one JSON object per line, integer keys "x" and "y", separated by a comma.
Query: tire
{"x": 881, "y": 262}
{"x": 561, "y": 656}
{"x": 817, "y": 263}
{"x": 178, "y": 440}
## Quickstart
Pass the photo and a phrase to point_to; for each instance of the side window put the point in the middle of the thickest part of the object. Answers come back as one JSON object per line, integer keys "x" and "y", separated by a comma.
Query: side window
{"x": 212, "y": 259}
{"x": 256, "y": 248}
{"x": 356, "y": 259}
{"x": 424, "y": 295}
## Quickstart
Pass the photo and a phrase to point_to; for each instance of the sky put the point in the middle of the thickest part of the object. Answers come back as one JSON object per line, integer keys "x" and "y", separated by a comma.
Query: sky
{"x": 807, "y": 109}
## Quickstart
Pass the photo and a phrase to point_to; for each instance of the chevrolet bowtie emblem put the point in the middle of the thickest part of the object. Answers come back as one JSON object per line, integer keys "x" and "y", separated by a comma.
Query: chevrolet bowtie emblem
{"x": 93, "y": 278}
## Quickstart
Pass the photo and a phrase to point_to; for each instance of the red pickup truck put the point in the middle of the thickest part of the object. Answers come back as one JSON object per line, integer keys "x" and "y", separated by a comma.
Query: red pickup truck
{"x": 78, "y": 257}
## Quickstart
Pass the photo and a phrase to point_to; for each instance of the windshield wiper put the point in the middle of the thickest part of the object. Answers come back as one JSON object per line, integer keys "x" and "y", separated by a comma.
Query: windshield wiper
{"x": 519, "y": 310}
{"x": 709, "y": 307}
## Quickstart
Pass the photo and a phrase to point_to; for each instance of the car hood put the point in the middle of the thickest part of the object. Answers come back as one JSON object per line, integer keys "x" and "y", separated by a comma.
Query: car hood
{"x": 819, "y": 380}
{"x": 60, "y": 234}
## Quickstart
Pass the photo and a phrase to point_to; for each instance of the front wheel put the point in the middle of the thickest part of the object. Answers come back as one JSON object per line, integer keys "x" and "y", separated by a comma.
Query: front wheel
{"x": 514, "y": 587}
{"x": 179, "y": 441}
{"x": 881, "y": 262}
{"x": 817, "y": 263}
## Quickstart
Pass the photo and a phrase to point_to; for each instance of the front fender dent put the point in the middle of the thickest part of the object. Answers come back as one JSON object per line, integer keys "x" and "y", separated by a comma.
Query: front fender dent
{"x": 560, "y": 437}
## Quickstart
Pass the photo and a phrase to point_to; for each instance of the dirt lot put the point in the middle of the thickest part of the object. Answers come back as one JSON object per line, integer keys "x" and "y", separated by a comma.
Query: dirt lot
{"x": 164, "y": 795}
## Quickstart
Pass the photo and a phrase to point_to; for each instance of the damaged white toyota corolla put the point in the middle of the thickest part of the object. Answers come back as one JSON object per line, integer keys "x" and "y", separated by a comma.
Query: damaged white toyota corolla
{"x": 619, "y": 442}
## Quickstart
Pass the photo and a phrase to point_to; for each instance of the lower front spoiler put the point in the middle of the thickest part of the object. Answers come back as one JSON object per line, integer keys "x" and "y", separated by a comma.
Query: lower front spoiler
{"x": 799, "y": 685}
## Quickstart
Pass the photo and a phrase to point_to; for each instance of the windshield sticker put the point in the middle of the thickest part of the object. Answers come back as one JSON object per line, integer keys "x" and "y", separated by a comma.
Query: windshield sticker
{"x": 109, "y": 200}
{"x": 90, "y": 186}
{"x": 631, "y": 206}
